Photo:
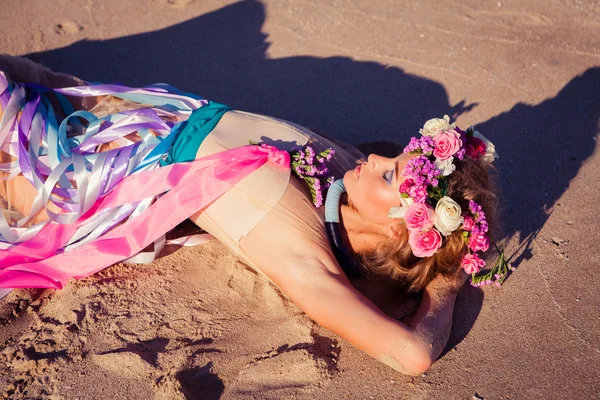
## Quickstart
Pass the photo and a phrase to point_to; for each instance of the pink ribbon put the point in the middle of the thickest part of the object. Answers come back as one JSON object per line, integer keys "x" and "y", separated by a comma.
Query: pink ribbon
{"x": 189, "y": 187}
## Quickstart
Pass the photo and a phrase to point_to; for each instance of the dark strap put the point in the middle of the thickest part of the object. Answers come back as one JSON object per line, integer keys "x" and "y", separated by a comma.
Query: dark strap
{"x": 347, "y": 261}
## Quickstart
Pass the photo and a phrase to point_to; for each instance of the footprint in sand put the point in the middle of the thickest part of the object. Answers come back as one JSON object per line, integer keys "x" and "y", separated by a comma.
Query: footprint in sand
{"x": 200, "y": 382}
{"x": 128, "y": 365}
{"x": 289, "y": 370}
{"x": 67, "y": 28}
{"x": 179, "y": 3}
{"x": 282, "y": 376}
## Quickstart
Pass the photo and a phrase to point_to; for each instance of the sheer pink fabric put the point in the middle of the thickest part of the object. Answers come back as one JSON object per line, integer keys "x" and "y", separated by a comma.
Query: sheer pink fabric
{"x": 191, "y": 187}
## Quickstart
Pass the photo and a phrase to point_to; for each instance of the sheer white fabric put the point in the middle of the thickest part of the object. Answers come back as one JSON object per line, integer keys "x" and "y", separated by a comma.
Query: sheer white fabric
{"x": 271, "y": 190}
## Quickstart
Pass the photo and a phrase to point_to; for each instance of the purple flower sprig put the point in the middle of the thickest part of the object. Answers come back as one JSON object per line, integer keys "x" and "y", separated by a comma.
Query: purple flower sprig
{"x": 422, "y": 171}
{"x": 494, "y": 276}
{"x": 423, "y": 145}
{"x": 311, "y": 167}
{"x": 476, "y": 236}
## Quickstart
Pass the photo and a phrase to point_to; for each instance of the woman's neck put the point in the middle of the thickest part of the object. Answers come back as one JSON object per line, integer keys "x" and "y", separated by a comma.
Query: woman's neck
{"x": 361, "y": 234}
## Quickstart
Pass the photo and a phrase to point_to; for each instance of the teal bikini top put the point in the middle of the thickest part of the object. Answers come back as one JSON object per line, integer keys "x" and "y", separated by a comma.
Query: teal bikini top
{"x": 191, "y": 133}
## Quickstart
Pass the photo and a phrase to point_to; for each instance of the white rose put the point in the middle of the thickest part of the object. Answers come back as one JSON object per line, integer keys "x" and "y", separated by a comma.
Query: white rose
{"x": 490, "y": 150}
{"x": 435, "y": 126}
{"x": 445, "y": 166}
{"x": 397, "y": 212}
{"x": 447, "y": 216}
{"x": 406, "y": 201}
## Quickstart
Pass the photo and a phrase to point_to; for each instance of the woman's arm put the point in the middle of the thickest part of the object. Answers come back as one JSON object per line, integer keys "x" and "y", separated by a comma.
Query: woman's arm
{"x": 331, "y": 301}
{"x": 23, "y": 70}
{"x": 305, "y": 269}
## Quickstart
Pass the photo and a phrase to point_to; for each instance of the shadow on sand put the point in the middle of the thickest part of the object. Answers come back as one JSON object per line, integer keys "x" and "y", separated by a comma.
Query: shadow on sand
{"x": 222, "y": 56}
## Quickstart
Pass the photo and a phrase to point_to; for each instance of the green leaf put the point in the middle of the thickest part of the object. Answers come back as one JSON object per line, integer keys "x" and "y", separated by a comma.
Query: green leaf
{"x": 470, "y": 131}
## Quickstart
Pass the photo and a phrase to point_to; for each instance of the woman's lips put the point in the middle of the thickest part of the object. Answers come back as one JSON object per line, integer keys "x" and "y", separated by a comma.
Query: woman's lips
{"x": 357, "y": 170}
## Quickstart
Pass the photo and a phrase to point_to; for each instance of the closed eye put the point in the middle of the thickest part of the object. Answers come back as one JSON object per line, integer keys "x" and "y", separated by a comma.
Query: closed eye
{"x": 388, "y": 176}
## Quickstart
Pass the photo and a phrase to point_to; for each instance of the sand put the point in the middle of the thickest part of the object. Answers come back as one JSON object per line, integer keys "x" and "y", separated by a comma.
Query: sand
{"x": 198, "y": 324}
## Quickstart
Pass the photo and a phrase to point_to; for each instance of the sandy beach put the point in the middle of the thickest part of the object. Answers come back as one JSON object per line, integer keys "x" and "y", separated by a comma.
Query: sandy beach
{"x": 198, "y": 324}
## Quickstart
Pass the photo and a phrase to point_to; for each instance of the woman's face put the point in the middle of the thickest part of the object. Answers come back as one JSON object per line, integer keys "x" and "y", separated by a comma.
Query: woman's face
{"x": 372, "y": 186}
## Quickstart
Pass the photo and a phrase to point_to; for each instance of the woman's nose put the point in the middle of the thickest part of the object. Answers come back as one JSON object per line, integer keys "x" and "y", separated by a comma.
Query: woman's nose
{"x": 374, "y": 161}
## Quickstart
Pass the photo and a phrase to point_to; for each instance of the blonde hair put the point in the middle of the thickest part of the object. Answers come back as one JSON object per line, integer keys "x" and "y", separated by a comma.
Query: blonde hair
{"x": 472, "y": 180}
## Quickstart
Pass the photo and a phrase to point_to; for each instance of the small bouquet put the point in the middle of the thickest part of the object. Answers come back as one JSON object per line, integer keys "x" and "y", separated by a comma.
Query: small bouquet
{"x": 311, "y": 167}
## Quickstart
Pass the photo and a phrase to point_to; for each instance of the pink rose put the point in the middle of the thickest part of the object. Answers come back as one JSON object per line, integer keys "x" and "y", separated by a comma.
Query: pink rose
{"x": 472, "y": 264}
{"x": 406, "y": 185}
{"x": 447, "y": 144}
{"x": 418, "y": 193}
{"x": 468, "y": 223}
{"x": 418, "y": 217}
{"x": 425, "y": 244}
{"x": 475, "y": 148}
{"x": 479, "y": 242}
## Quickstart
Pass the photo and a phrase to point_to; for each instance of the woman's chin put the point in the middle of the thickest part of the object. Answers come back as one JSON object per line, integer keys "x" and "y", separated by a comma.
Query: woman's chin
{"x": 348, "y": 178}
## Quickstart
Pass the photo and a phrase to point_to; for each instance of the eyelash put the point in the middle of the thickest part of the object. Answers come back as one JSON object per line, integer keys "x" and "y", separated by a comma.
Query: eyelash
{"x": 388, "y": 180}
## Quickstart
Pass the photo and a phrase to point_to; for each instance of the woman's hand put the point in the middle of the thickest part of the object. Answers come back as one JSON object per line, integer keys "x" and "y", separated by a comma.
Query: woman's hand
{"x": 432, "y": 322}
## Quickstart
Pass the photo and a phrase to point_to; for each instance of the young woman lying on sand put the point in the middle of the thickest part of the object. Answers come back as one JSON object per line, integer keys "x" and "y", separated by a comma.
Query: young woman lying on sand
{"x": 98, "y": 189}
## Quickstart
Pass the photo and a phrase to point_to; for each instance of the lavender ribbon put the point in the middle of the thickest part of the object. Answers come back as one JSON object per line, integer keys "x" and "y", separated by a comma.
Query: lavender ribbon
{"x": 61, "y": 158}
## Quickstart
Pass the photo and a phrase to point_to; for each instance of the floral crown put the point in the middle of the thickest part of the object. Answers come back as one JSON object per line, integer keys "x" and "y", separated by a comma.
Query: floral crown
{"x": 429, "y": 213}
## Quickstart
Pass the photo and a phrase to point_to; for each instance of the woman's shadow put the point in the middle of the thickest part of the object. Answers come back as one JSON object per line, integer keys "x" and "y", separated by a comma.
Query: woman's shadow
{"x": 542, "y": 147}
{"x": 223, "y": 56}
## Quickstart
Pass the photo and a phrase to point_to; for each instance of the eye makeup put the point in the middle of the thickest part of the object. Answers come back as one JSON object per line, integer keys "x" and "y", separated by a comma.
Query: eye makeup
{"x": 388, "y": 176}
